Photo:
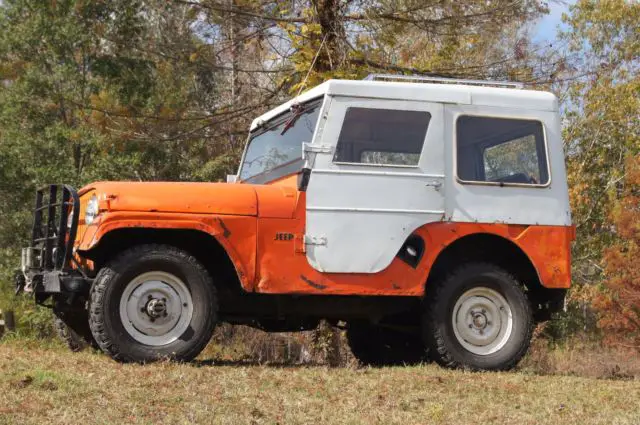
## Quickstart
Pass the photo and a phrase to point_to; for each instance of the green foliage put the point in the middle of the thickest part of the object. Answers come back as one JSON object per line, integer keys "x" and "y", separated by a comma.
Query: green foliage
{"x": 601, "y": 119}
{"x": 82, "y": 98}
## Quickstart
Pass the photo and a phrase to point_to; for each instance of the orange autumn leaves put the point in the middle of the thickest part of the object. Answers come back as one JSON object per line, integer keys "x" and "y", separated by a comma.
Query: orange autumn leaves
{"x": 619, "y": 303}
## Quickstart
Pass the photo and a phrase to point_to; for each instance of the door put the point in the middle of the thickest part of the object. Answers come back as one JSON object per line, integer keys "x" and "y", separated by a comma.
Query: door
{"x": 377, "y": 174}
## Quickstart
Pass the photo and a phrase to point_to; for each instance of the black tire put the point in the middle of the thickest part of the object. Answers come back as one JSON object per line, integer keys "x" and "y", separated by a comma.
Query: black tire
{"x": 375, "y": 345}
{"x": 109, "y": 286}
{"x": 438, "y": 328}
{"x": 74, "y": 338}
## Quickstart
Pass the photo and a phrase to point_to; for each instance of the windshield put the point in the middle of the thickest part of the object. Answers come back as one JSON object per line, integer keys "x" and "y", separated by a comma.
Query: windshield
{"x": 275, "y": 149}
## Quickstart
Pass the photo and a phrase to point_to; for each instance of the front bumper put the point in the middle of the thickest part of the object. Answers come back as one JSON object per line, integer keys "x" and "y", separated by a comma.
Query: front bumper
{"x": 52, "y": 282}
{"x": 48, "y": 266}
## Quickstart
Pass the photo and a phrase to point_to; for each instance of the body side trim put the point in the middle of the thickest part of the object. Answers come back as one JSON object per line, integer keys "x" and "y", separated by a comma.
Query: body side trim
{"x": 380, "y": 210}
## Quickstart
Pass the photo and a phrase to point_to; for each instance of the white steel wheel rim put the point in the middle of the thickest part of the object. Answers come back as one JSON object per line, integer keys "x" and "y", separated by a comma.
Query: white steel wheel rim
{"x": 482, "y": 320}
{"x": 156, "y": 308}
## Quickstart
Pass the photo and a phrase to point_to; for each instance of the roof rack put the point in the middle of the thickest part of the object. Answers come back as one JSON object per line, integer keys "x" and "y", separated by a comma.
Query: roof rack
{"x": 442, "y": 80}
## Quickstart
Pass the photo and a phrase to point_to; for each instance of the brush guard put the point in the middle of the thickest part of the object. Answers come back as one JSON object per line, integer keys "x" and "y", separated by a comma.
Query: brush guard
{"x": 47, "y": 261}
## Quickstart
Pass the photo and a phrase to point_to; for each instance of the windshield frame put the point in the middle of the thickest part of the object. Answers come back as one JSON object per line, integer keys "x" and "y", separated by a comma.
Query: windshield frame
{"x": 277, "y": 173}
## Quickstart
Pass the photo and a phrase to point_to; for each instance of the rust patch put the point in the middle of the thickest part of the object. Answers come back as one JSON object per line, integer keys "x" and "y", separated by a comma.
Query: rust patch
{"x": 312, "y": 283}
{"x": 225, "y": 230}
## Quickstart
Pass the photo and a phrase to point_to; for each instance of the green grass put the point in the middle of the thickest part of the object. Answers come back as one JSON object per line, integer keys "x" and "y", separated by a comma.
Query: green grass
{"x": 45, "y": 384}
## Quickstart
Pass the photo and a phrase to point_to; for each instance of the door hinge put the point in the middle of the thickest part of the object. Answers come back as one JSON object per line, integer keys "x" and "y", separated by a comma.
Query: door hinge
{"x": 315, "y": 240}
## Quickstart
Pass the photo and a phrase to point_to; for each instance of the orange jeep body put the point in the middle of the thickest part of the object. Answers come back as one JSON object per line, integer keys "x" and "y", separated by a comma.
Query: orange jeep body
{"x": 261, "y": 228}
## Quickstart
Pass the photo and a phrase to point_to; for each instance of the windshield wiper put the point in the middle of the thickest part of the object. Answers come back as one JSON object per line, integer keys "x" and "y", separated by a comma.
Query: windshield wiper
{"x": 297, "y": 111}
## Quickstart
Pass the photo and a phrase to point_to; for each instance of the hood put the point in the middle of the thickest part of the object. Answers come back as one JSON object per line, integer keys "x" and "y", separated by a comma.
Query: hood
{"x": 194, "y": 198}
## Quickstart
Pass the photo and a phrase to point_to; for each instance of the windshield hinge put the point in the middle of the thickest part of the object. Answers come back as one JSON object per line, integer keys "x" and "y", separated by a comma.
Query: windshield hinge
{"x": 308, "y": 147}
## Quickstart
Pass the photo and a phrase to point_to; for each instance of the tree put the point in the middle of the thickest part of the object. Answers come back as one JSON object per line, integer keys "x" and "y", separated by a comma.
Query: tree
{"x": 619, "y": 304}
{"x": 448, "y": 38}
{"x": 349, "y": 39}
{"x": 95, "y": 91}
{"x": 601, "y": 119}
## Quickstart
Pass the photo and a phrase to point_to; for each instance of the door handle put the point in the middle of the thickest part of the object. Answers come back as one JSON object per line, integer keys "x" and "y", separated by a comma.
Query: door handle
{"x": 436, "y": 184}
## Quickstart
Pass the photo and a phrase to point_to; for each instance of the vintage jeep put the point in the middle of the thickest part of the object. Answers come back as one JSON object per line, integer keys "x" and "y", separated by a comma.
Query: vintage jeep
{"x": 425, "y": 215}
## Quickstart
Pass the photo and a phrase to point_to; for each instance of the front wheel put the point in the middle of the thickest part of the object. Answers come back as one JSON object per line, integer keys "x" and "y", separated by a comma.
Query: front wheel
{"x": 478, "y": 318}
{"x": 153, "y": 302}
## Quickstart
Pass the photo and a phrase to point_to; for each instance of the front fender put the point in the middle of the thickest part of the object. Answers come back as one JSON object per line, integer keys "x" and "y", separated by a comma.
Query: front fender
{"x": 236, "y": 234}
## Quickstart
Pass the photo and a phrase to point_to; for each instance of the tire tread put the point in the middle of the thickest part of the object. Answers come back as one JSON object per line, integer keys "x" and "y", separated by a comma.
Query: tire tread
{"x": 434, "y": 338}
{"x": 68, "y": 336}
{"x": 108, "y": 273}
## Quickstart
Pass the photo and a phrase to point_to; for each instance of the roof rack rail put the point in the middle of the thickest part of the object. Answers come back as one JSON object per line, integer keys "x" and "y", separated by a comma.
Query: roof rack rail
{"x": 442, "y": 80}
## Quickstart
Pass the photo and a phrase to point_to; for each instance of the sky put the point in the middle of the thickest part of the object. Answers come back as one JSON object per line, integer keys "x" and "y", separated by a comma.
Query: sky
{"x": 547, "y": 27}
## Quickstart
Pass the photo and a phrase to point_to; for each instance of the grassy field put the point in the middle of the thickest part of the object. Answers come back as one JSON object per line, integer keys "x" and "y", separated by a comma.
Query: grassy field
{"x": 45, "y": 384}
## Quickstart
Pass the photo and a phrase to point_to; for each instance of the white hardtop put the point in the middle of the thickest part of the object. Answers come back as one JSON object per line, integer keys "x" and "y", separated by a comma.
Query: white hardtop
{"x": 460, "y": 94}
{"x": 372, "y": 208}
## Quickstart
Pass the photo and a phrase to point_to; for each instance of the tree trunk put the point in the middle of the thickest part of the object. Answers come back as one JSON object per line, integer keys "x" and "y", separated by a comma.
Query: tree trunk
{"x": 332, "y": 32}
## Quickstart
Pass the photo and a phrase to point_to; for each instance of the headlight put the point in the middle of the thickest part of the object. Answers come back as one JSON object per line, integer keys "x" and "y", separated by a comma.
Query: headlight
{"x": 92, "y": 210}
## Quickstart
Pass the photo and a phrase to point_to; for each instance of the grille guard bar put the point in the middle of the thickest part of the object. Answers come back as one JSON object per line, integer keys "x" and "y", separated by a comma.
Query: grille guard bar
{"x": 55, "y": 225}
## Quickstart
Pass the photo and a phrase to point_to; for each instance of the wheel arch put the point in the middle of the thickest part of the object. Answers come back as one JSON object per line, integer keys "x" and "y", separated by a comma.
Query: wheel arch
{"x": 205, "y": 247}
{"x": 498, "y": 250}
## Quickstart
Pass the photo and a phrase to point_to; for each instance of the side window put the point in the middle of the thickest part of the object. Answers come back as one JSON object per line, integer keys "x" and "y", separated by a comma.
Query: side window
{"x": 382, "y": 136}
{"x": 501, "y": 150}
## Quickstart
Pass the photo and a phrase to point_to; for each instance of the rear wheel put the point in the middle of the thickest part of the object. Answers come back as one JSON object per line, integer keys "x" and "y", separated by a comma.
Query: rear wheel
{"x": 376, "y": 345}
{"x": 153, "y": 302}
{"x": 478, "y": 318}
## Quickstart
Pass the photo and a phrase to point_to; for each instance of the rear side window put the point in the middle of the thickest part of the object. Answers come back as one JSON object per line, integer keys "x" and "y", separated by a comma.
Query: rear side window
{"x": 382, "y": 136}
{"x": 501, "y": 150}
